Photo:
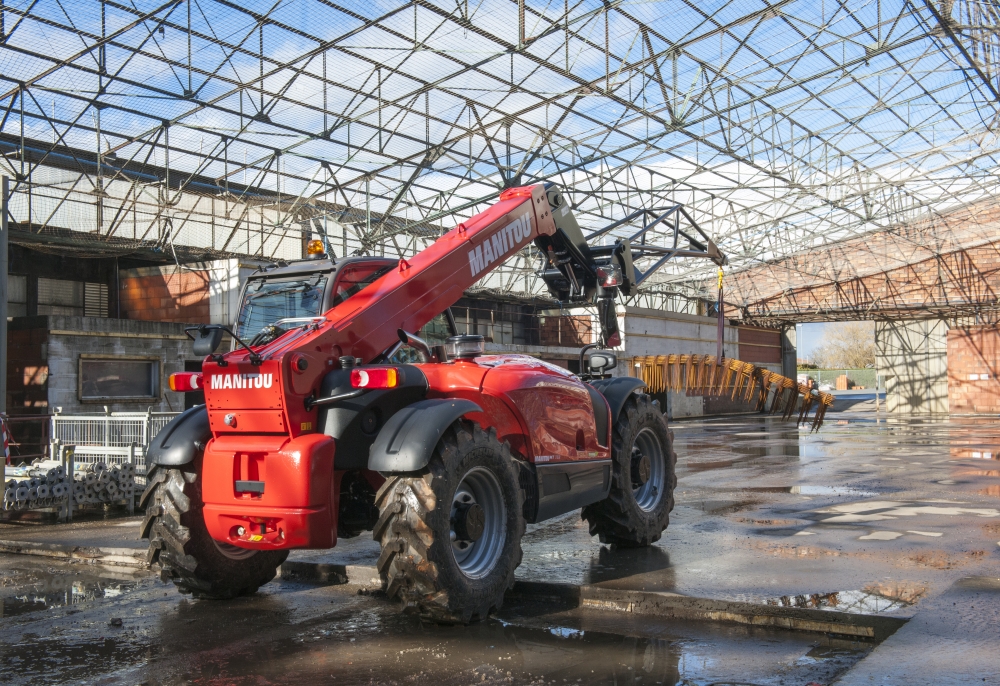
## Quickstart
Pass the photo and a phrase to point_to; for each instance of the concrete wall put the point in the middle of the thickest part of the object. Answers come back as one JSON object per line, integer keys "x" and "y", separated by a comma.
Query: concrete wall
{"x": 67, "y": 338}
{"x": 913, "y": 357}
{"x": 973, "y": 363}
{"x": 654, "y": 332}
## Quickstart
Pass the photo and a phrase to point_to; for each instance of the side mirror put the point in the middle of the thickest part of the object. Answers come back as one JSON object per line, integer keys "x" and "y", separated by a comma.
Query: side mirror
{"x": 207, "y": 341}
{"x": 601, "y": 361}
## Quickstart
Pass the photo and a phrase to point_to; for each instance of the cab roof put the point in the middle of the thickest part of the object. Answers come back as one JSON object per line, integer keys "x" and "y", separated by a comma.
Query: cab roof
{"x": 311, "y": 266}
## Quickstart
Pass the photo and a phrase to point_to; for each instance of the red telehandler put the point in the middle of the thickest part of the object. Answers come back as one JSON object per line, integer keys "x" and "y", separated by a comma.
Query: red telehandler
{"x": 313, "y": 429}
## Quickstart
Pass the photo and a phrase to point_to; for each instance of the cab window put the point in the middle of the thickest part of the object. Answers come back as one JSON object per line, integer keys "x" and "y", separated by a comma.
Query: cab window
{"x": 354, "y": 279}
{"x": 265, "y": 302}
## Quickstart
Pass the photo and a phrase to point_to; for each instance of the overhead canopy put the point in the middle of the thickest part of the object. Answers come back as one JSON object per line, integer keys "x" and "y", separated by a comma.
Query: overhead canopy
{"x": 234, "y": 127}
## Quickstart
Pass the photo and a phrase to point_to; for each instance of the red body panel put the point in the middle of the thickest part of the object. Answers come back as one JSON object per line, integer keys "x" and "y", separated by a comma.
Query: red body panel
{"x": 544, "y": 411}
{"x": 297, "y": 506}
{"x": 554, "y": 405}
{"x": 271, "y": 433}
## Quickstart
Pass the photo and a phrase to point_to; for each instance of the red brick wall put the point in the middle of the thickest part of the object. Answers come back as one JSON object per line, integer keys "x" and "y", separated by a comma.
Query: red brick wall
{"x": 570, "y": 331}
{"x": 164, "y": 294}
{"x": 973, "y": 352}
{"x": 27, "y": 372}
{"x": 760, "y": 345}
{"x": 924, "y": 266}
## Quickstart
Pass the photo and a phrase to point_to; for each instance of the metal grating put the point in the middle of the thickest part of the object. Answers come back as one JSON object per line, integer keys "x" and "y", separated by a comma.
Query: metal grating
{"x": 233, "y": 128}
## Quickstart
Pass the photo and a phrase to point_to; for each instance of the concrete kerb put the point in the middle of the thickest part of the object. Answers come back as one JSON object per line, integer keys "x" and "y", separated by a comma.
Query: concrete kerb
{"x": 658, "y": 604}
{"x": 676, "y": 606}
{"x": 115, "y": 557}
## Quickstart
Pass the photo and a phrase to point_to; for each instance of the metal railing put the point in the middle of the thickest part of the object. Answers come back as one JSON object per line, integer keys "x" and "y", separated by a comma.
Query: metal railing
{"x": 112, "y": 437}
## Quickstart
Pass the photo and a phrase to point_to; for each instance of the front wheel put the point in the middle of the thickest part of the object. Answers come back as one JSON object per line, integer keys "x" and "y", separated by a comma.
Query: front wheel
{"x": 181, "y": 548}
{"x": 637, "y": 509}
{"x": 451, "y": 534}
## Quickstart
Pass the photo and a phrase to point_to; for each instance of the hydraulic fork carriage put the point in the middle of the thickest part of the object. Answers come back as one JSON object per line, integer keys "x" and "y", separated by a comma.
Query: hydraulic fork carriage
{"x": 330, "y": 416}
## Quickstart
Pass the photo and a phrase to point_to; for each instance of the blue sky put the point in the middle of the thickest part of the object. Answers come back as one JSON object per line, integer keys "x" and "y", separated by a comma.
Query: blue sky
{"x": 810, "y": 337}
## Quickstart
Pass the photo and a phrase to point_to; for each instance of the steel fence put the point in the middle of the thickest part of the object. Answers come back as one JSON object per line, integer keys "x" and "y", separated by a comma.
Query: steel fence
{"x": 868, "y": 379}
{"x": 112, "y": 438}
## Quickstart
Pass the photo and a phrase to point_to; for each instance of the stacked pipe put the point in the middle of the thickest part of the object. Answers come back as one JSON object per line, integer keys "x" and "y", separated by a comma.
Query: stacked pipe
{"x": 708, "y": 375}
{"x": 48, "y": 485}
{"x": 45, "y": 486}
{"x": 98, "y": 483}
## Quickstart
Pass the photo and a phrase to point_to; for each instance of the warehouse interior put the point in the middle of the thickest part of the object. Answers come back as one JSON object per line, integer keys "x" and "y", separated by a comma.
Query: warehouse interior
{"x": 842, "y": 154}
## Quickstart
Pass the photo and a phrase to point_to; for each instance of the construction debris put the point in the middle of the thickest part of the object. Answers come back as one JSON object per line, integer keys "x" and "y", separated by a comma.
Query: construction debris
{"x": 708, "y": 375}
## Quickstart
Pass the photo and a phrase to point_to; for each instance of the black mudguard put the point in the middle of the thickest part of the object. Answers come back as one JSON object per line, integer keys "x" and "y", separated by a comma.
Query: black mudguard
{"x": 407, "y": 440}
{"x": 616, "y": 391}
{"x": 357, "y": 422}
{"x": 181, "y": 440}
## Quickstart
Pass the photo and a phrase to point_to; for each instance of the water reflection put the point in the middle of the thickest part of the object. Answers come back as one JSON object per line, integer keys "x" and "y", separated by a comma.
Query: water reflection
{"x": 873, "y": 599}
{"x": 35, "y": 590}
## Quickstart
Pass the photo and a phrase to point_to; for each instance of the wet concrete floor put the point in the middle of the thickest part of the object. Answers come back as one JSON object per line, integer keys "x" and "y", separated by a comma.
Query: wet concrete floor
{"x": 70, "y": 623}
{"x": 866, "y": 515}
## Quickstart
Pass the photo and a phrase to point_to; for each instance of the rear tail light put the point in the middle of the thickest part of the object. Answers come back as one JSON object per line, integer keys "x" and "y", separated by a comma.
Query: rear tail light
{"x": 186, "y": 382}
{"x": 374, "y": 377}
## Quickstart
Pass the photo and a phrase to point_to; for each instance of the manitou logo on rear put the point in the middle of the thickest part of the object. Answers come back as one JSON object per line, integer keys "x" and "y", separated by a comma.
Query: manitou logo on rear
{"x": 500, "y": 243}
{"x": 223, "y": 381}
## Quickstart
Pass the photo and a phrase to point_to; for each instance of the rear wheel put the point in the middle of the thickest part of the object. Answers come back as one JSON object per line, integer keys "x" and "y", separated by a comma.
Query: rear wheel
{"x": 183, "y": 552}
{"x": 637, "y": 509}
{"x": 451, "y": 534}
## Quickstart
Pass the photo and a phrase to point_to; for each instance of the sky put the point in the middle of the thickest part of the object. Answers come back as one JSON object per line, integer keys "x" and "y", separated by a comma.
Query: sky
{"x": 810, "y": 337}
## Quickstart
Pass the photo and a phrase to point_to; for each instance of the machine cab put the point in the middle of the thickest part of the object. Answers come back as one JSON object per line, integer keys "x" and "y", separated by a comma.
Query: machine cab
{"x": 303, "y": 289}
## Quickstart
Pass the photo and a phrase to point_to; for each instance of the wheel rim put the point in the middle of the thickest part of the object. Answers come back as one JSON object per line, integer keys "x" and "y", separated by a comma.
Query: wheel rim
{"x": 649, "y": 490}
{"x": 478, "y": 488}
{"x": 233, "y": 552}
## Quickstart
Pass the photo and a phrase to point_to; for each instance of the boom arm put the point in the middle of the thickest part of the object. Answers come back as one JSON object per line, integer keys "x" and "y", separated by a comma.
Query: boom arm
{"x": 408, "y": 297}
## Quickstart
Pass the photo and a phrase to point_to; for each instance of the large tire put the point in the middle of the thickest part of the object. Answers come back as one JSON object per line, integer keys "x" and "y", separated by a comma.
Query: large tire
{"x": 420, "y": 565}
{"x": 636, "y": 511}
{"x": 183, "y": 552}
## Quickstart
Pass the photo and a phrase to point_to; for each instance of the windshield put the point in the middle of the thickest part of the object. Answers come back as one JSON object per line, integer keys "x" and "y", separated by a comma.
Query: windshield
{"x": 266, "y": 302}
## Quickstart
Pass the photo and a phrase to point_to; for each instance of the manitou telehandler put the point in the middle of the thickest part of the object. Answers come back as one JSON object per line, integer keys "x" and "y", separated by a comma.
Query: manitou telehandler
{"x": 314, "y": 427}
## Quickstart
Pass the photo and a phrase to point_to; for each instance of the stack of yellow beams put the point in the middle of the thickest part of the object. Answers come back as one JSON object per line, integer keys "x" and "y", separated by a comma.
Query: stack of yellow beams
{"x": 707, "y": 375}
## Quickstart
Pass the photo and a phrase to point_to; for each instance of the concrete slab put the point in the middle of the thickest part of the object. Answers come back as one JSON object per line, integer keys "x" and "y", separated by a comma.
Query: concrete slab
{"x": 869, "y": 515}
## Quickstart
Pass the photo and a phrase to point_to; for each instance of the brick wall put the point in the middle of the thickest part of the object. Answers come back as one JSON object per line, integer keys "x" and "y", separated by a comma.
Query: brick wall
{"x": 924, "y": 266}
{"x": 27, "y": 370}
{"x": 760, "y": 345}
{"x": 572, "y": 331}
{"x": 164, "y": 294}
{"x": 973, "y": 361}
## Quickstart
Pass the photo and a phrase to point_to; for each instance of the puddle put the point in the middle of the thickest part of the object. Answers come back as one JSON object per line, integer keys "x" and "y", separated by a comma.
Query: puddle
{"x": 812, "y": 490}
{"x": 975, "y": 454}
{"x": 34, "y": 589}
{"x": 883, "y": 510}
{"x": 853, "y": 602}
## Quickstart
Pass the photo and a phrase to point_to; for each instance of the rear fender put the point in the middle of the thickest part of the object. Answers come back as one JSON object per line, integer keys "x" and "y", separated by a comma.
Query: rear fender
{"x": 180, "y": 441}
{"x": 617, "y": 391}
{"x": 407, "y": 440}
{"x": 356, "y": 422}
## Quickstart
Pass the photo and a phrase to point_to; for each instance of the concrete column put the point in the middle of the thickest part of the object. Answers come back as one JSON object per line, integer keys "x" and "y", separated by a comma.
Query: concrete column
{"x": 789, "y": 352}
{"x": 4, "y": 197}
{"x": 913, "y": 358}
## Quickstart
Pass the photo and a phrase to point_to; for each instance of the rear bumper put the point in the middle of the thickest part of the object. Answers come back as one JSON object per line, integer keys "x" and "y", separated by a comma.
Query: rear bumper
{"x": 264, "y": 528}
{"x": 297, "y": 508}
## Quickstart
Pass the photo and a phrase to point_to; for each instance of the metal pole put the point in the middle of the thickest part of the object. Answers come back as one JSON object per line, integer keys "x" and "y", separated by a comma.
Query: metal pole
{"x": 4, "y": 207}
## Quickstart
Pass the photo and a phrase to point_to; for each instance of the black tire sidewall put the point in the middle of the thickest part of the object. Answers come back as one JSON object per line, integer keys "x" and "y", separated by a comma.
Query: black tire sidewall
{"x": 465, "y": 592}
{"x": 652, "y": 522}
{"x": 226, "y": 577}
